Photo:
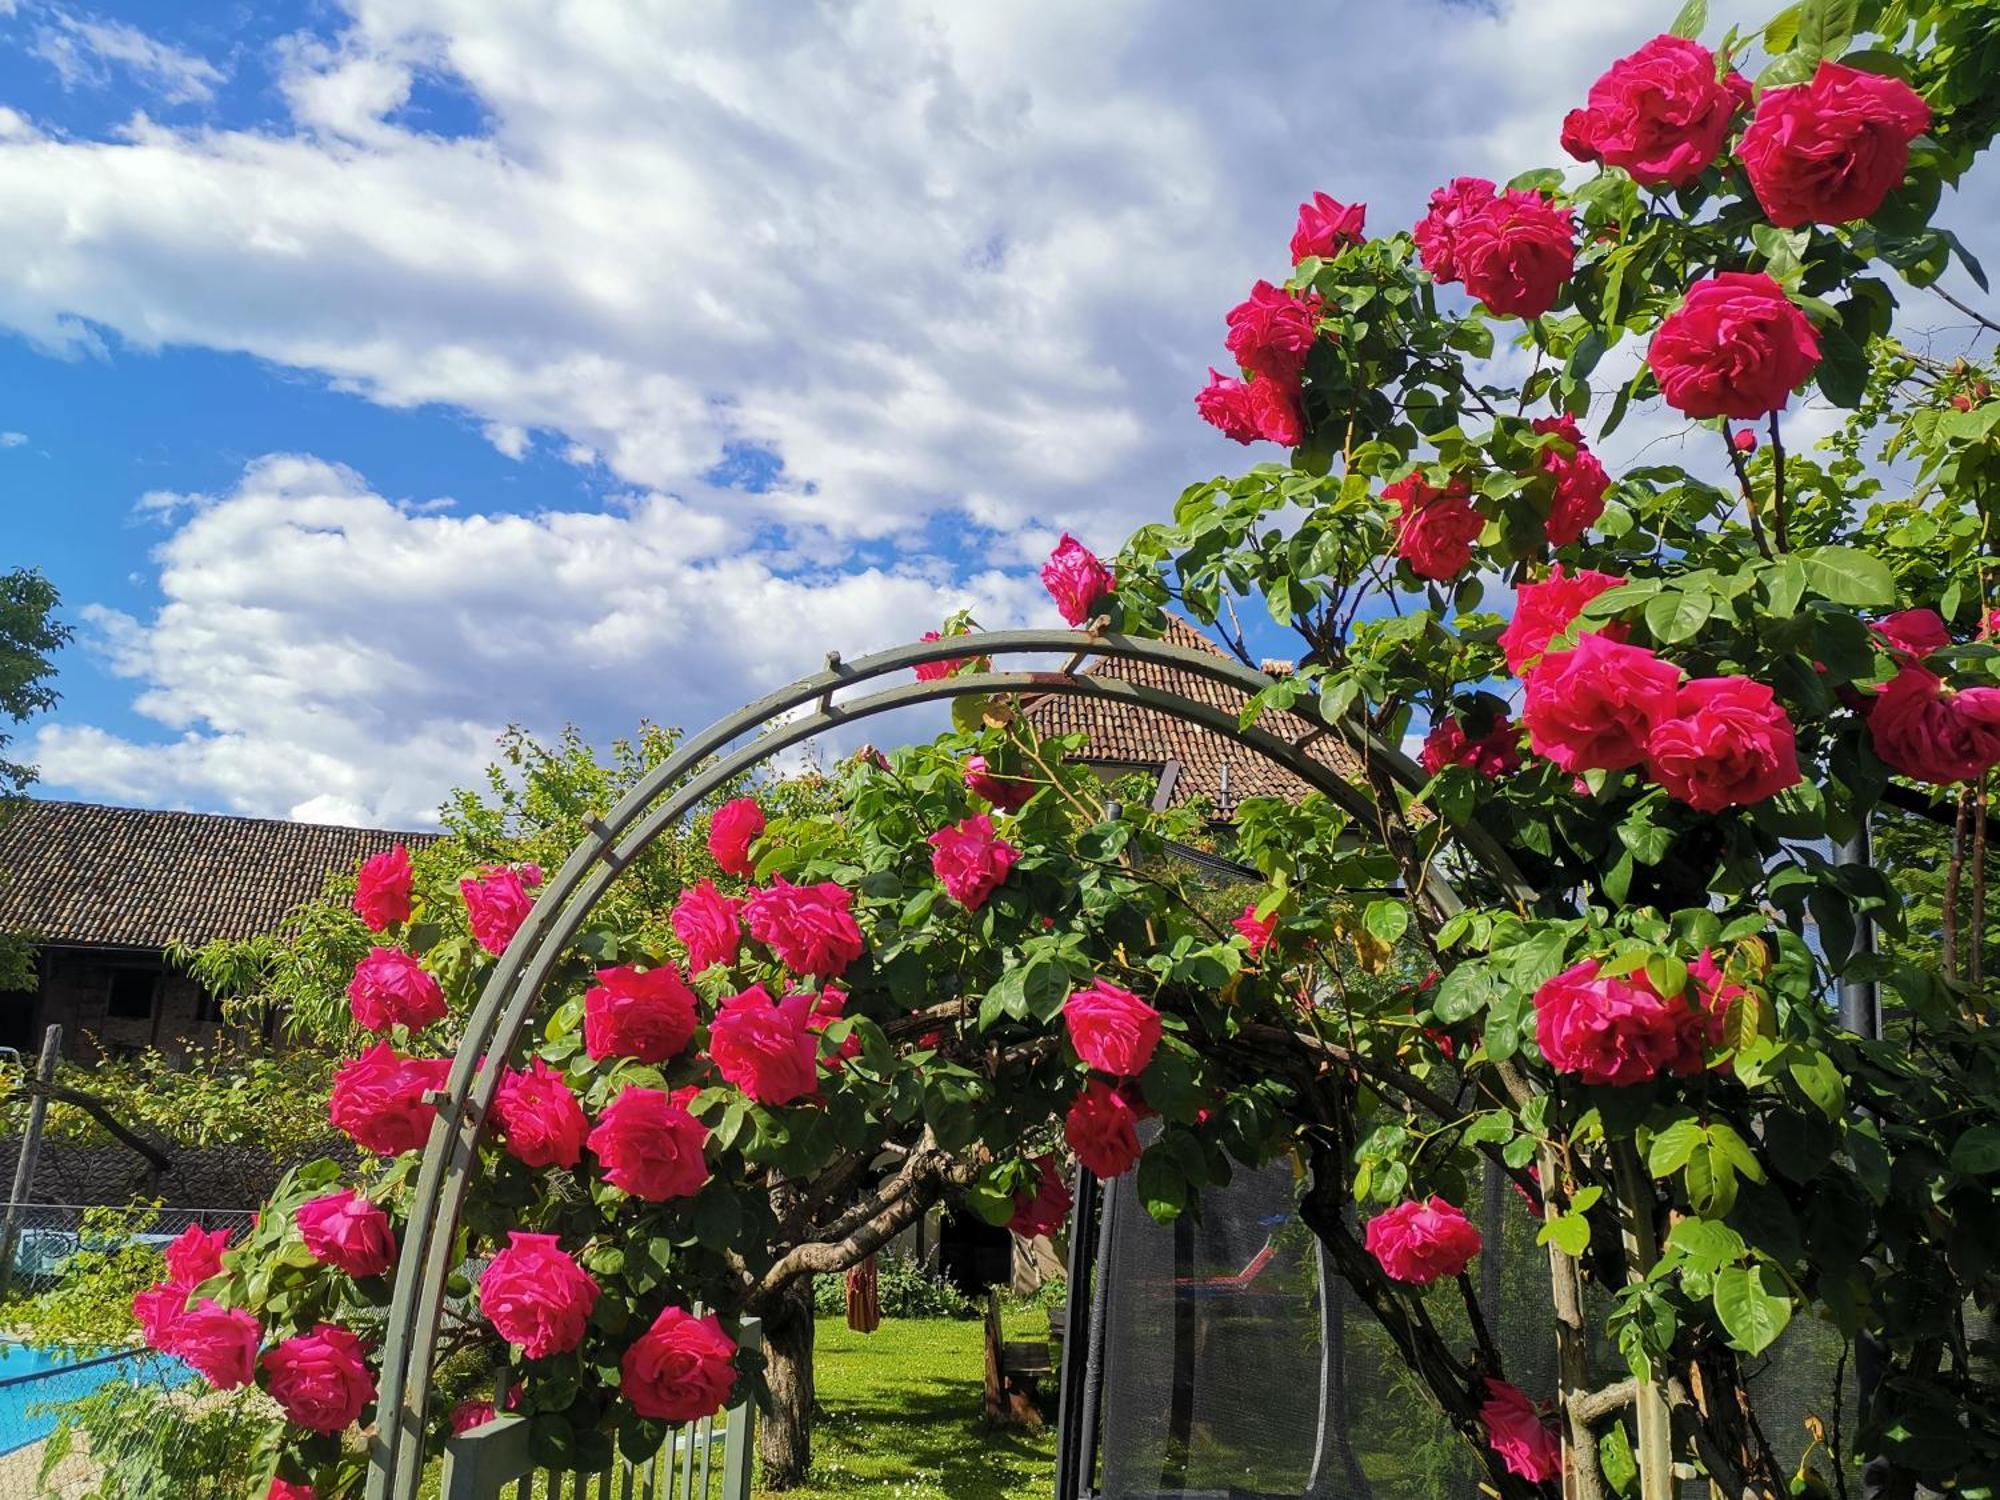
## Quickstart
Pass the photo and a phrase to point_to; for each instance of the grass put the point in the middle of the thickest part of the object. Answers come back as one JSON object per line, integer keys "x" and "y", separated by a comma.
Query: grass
{"x": 900, "y": 1416}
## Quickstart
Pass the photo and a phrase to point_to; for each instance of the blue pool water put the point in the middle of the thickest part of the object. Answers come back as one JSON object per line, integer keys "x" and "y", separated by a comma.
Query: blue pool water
{"x": 32, "y": 1378}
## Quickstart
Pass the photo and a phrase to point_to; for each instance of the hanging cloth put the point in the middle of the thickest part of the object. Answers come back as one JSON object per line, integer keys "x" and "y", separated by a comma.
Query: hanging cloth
{"x": 864, "y": 1309}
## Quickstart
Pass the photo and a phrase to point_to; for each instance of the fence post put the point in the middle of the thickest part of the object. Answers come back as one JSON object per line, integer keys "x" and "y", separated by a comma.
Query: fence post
{"x": 31, "y": 1150}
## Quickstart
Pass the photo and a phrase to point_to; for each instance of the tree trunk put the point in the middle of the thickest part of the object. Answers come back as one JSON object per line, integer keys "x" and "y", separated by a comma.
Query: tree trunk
{"x": 784, "y": 1436}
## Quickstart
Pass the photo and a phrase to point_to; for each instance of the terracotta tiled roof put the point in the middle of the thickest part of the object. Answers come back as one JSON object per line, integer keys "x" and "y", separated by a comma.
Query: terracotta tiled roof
{"x": 74, "y": 872}
{"x": 1213, "y": 766}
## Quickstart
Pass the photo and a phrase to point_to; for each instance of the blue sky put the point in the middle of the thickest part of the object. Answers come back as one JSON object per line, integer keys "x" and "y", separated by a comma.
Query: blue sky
{"x": 387, "y": 371}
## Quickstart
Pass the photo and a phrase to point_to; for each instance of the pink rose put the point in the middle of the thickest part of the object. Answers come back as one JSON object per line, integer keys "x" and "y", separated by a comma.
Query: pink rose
{"x": 1075, "y": 579}
{"x": 1327, "y": 227}
{"x": 1257, "y": 932}
{"x": 734, "y": 828}
{"x": 378, "y": 1099}
{"x": 1660, "y": 113}
{"x": 1492, "y": 755}
{"x": 468, "y": 1415}
{"x": 650, "y": 1146}
{"x": 1580, "y": 481}
{"x": 221, "y": 1342}
{"x": 971, "y": 860}
{"x": 496, "y": 903}
{"x": 158, "y": 1309}
{"x": 320, "y": 1379}
{"x": 1437, "y": 527}
{"x": 645, "y": 1014}
{"x": 1543, "y": 611}
{"x": 1437, "y": 234}
{"x": 828, "y": 1006}
{"x": 1728, "y": 744}
{"x": 1932, "y": 733}
{"x": 1102, "y": 1129}
{"x": 285, "y": 1489}
{"x": 1007, "y": 793}
{"x": 1516, "y": 253}
{"x": 1743, "y": 440}
{"x": 707, "y": 924}
{"x": 390, "y": 988}
{"x": 1594, "y": 707}
{"x": 1912, "y": 634}
{"x": 536, "y": 1297}
{"x": 1618, "y": 1029}
{"x": 195, "y": 1256}
{"x": 1046, "y": 1209}
{"x": 1113, "y": 1030}
{"x": 934, "y": 671}
{"x": 1272, "y": 332}
{"x": 810, "y": 928}
{"x": 1248, "y": 411}
{"x": 382, "y": 889}
{"x": 539, "y": 1120}
{"x": 1418, "y": 1243}
{"x": 1737, "y": 346}
{"x": 1516, "y": 1431}
{"x": 682, "y": 1369}
{"x": 344, "y": 1230}
{"x": 1831, "y": 150}
{"x": 766, "y": 1047}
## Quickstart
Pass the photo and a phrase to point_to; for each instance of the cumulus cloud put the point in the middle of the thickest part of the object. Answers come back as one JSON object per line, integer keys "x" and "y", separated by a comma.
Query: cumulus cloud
{"x": 325, "y": 652}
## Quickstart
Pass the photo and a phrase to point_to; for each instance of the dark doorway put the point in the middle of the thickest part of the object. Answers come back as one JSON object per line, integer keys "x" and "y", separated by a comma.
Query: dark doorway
{"x": 973, "y": 1254}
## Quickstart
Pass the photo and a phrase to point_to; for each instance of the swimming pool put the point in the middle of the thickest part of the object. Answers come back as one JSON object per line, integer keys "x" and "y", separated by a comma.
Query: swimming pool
{"x": 32, "y": 1378}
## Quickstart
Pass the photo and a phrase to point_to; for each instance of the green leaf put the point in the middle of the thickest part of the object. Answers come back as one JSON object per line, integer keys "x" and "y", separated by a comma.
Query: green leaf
{"x": 1693, "y": 16}
{"x": 1465, "y": 992}
{"x": 1977, "y": 1152}
{"x": 1788, "y": 68}
{"x": 1826, "y": 27}
{"x": 1614, "y": 1457}
{"x": 1570, "y": 1233}
{"x": 1820, "y": 1081}
{"x": 1783, "y": 30}
{"x": 1677, "y": 616}
{"x": 1386, "y": 921}
{"x": 1726, "y": 1143}
{"x": 1671, "y": 1148}
{"x": 1843, "y": 367}
{"x": 1752, "y": 1311}
{"x": 1847, "y": 575}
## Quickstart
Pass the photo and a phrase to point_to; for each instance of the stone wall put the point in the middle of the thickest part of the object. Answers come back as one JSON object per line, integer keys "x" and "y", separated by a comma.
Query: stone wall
{"x": 78, "y": 988}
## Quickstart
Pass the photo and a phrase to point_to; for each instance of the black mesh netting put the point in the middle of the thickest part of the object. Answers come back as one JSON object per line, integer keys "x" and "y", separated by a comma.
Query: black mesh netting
{"x": 1216, "y": 1382}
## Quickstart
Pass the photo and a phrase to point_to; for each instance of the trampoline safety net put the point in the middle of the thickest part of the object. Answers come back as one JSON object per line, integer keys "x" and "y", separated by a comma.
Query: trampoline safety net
{"x": 1233, "y": 1369}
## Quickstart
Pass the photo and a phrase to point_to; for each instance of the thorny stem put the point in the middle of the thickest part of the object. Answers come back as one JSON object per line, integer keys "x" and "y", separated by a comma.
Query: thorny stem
{"x": 1742, "y": 469}
{"x": 1778, "y": 520}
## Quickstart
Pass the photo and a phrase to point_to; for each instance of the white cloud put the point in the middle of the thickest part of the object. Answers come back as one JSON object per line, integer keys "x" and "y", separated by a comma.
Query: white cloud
{"x": 324, "y": 652}
{"x": 12, "y": 439}
{"x": 87, "y": 51}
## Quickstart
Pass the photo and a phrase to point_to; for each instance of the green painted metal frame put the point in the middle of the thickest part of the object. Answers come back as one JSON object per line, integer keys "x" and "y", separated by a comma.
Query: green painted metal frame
{"x": 667, "y": 794}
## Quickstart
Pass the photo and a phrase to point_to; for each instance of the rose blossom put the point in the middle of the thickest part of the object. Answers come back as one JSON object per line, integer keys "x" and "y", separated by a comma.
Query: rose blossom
{"x": 195, "y": 1256}
{"x": 935, "y": 671}
{"x": 539, "y": 1120}
{"x": 1932, "y": 733}
{"x": 1076, "y": 579}
{"x": 497, "y": 903}
{"x": 1580, "y": 481}
{"x": 1545, "y": 610}
{"x": 320, "y": 1379}
{"x": 1437, "y": 233}
{"x": 971, "y": 860}
{"x": 1743, "y": 440}
{"x": 285, "y": 1489}
{"x": 1516, "y": 253}
{"x": 221, "y": 1342}
{"x": 1728, "y": 744}
{"x": 390, "y": 988}
{"x": 1737, "y": 346}
{"x": 344, "y": 1230}
{"x": 1007, "y": 793}
{"x": 1616, "y": 1029}
{"x": 645, "y": 1014}
{"x": 378, "y": 1099}
{"x": 1831, "y": 150}
{"x": 1912, "y": 634}
{"x": 1515, "y": 1430}
{"x": 1102, "y": 1129}
{"x": 1249, "y": 410}
{"x": 766, "y": 1047}
{"x": 707, "y": 924}
{"x": 679, "y": 1370}
{"x": 1437, "y": 527}
{"x": 1046, "y": 1208}
{"x": 828, "y": 1006}
{"x": 1257, "y": 932}
{"x": 1492, "y": 755}
{"x": 650, "y": 1146}
{"x": 1272, "y": 331}
{"x": 468, "y": 1415}
{"x": 809, "y": 928}
{"x": 1326, "y": 227}
{"x": 157, "y": 1309}
{"x": 1418, "y": 1243}
{"x": 734, "y": 828}
{"x": 1660, "y": 113}
{"x": 1593, "y": 708}
{"x": 1112, "y": 1029}
{"x": 536, "y": 1297}
{"x": 382, "y": 889}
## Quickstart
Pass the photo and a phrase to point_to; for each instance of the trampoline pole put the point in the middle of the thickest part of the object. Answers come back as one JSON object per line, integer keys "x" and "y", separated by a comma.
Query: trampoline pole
{"x": 1079, "y": 1318}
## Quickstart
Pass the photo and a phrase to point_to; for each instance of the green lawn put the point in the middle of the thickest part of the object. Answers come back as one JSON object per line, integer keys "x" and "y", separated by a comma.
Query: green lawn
{"x": 899, "y": 1415}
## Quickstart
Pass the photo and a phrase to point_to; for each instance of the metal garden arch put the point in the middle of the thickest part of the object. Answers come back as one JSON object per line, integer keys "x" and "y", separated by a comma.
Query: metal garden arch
{"x": 702, "y": 764}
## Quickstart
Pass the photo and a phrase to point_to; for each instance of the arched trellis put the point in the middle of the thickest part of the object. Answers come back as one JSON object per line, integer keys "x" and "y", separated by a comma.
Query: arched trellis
{"x": 702, "y": 764}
